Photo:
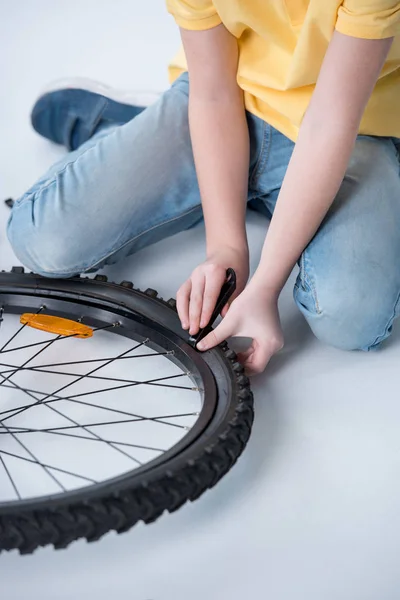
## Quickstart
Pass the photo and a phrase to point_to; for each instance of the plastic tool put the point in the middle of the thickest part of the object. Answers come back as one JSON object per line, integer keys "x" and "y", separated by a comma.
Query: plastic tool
{"x": 226, "y": 292}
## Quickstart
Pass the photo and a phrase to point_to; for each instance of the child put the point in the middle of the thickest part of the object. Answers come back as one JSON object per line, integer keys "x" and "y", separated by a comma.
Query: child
{"x": 293, "y": 108}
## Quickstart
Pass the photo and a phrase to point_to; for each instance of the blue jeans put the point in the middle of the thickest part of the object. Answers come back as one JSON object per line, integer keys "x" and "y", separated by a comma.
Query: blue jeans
{"x": 132, "y": 185}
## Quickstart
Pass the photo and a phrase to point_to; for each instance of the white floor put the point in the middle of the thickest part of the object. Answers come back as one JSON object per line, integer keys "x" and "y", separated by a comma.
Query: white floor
{"x": 311, "y": 511}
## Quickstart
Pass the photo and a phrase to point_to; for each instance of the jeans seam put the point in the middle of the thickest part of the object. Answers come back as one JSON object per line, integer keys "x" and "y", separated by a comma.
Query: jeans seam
{"x": 310, "y": 282}
{"x": 261, "y": 158}
{"x": 134, "y": 238}
{"x": 380, "y": 338}
{"x": 397, "y": 147}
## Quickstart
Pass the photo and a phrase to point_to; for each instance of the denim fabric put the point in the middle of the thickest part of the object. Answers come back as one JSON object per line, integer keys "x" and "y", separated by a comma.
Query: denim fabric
{"x": 129, "y": 185}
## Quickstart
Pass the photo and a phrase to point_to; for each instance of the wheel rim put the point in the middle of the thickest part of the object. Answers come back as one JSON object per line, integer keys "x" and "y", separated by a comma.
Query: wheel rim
{"x": 14, "y": 427}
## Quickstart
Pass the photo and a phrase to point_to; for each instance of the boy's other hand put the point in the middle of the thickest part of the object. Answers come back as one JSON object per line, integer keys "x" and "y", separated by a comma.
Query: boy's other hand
{"x": 252, "y": 315}
{"x": 197, "y": 297}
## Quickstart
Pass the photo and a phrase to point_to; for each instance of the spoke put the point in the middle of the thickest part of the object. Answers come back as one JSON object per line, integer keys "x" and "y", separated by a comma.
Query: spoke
{"x": 149, "y": 382}
{"x": 30, "y": 359}
{"x": 47, "y": 345}
{"x": 48, "y": 466}
{"x": 10, "y": 478}
{"x": 14, "y": 385}
{"x": 19, "y": 331}
{"x": 76, "y": 424}
{"x": 54, "y": 431}
{"x": 80, "y": 362}
{"x": 80, "y": 375}
{"x": 116, "y": 423}
{"x": 91, "y": 404}
{"x": 85, "y": 428}
{"x": 66, "y": 337}
{"x": 35, "y": 459}
{"x": 32, "y": 455}
{"x": 58, "y": 338}
{"x": 39, "y": 401}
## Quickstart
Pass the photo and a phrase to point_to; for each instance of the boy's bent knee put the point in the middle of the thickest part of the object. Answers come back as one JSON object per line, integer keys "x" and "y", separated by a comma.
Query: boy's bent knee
{"x": 42, "y": 250}
{"x": 347, "y": 322}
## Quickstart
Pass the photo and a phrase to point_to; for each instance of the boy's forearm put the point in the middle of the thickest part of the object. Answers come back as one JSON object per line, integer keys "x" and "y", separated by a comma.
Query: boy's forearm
{"x": 312, "y": 180}
{"x": 220, "y": 143}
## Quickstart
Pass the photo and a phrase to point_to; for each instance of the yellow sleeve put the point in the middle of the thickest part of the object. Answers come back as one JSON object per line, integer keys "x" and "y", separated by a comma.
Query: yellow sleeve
{"x": 369, "y": 19}
{"x": 194, "y": 14}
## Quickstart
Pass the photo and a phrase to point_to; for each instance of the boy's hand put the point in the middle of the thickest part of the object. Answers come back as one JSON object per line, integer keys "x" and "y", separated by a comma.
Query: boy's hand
{"x": 252, "y": 315}
{"x": 197, "y": 297}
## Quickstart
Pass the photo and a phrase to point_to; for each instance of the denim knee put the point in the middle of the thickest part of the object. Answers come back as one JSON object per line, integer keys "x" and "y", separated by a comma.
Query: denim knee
{"x": 346, "y": 319}
{"x": 349, "y": 281}
{"x": 43, "y": 250}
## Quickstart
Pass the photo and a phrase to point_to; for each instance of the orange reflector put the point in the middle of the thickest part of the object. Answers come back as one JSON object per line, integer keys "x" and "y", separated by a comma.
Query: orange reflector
{"x": 56, "y": 325}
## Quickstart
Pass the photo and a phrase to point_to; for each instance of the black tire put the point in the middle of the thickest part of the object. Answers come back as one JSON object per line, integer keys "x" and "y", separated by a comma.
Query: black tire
{"x": 185, "y": 476}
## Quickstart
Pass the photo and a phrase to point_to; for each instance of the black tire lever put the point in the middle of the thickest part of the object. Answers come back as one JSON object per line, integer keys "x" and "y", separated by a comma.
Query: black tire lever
{"x": 227, "y": 290}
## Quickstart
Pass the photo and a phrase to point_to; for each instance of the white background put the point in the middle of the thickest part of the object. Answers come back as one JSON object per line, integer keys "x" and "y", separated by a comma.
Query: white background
{"x": 311, "y": 511}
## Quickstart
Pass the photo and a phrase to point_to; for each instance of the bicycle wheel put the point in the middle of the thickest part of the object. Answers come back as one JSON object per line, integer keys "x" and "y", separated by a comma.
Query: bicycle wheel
{"x": 82, "y": 452}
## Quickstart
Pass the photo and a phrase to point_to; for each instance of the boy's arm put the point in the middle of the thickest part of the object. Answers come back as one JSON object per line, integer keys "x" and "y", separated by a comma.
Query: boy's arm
{"x": 327, "y": 135}
{"x": 322, "y": 152}
{"x": 220, "y": 142}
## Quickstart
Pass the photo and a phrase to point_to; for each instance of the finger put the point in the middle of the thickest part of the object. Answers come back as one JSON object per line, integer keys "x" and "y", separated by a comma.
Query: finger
{"x": 220, "y": 333}
{"x": 213, "y": 285}
{"x": 224, "y": 311}
{"x": 196, "y": 304}
{"x": 245, "y": 359}
{"x": 256, "y": 358}
{"x": 244, "y": 356}
{"x": 182, "y": 303}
